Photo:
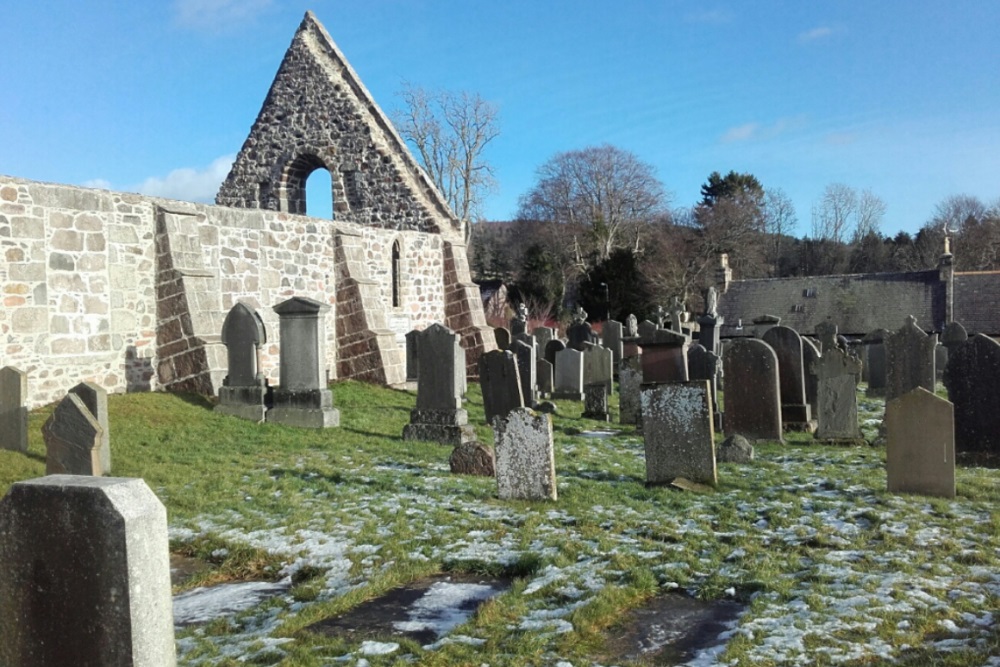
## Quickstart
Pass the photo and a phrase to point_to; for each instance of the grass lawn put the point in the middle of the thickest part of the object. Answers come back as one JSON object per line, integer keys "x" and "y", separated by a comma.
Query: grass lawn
{"x": 833, "y": 570}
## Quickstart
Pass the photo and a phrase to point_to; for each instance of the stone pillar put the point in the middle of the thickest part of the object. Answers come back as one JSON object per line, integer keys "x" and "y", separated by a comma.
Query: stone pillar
{"x": 86, "y": 574}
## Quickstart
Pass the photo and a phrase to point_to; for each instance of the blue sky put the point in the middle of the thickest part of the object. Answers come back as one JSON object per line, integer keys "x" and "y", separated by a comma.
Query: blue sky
{"x": 902, "y": 97}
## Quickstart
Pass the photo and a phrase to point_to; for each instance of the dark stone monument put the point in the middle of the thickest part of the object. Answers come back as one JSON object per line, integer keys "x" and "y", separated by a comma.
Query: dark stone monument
{"x": 553, "y": 347}
{"x": 595, "y": 401}
{"x": 909, "y": 360}
{"x": 73, "y": 439}
{"x": 954, "y": 334}
{"x": 787, "y": 345}
{"x": 664, "y": 358}
{"x": 973, "y": 381}
{"x": 13, "y": 411}
{"x": 501, "y": 384}
{"x": 95, "y": 398}
{"x": 580, "y": 332}
{"x": 545, "y": 378}
{"x": 519, "y": 323}
{"x": 503, "y": 338}
{"x": 612, "y": 337}
{"x": 875, "y": 361}
{"x": 302, "y": 398}
{"x": 705, "y": 365}
{"x": 810, "y": 356}
{"x": 243, "y": 392}
{"x": 647, "y": 331}
{"x": 752, "y": 394}
{"x": 569, "y": 375}
{"x": 412, "y": 355}
{"x": 439, "y": 416}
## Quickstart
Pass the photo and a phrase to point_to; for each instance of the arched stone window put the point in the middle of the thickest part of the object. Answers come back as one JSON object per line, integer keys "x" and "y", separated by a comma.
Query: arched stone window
{"x": 319, "y": 194}
{"x": 396, "y": 275}
{"x": 292, "y": 192}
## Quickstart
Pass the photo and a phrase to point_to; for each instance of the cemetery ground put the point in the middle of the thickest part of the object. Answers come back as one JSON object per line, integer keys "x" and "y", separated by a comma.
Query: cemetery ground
{"x": 827, "y": 566}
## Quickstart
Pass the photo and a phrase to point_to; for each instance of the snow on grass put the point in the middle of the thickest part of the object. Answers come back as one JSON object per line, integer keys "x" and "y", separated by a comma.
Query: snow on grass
{"x": 445, "y": 605}
{"x": 204, "y": 604}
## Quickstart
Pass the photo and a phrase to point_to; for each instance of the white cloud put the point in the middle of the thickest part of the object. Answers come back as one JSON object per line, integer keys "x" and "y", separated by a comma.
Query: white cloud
{"x": 189, "y": 184}
{"x": 759, "y": 132}
{"x": 216, "y": 15}
{"x": 740, "y": 133}
{"x": 816, "y": 34}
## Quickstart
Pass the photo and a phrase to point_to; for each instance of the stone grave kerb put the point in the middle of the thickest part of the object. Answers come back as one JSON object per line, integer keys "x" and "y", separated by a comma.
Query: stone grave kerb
{"x": 13, "y": 411}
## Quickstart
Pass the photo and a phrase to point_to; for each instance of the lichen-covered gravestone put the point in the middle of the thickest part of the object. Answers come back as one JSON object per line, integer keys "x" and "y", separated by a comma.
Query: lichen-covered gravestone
{"x": 751, "y": 395}
{"x": 96, "y": 400}
{"x": 973, "y": 380}
{"x": 598, "y": 366}
{"x": 525, "y": 457}
{"x": 13, "y": 411}
{"x": 595, "y": 401}
{"x": 500, "y": 383}
{"x": 73, "y": 438}
{"x": 629, "y": 381}
{"x": 439, "y": 416}
{"x": 836, "y": 374}
{"x": 86, "y": 574}
{"x": 569, "y": 375}
{"x": 909, "y": 354}
{"x": 679, "y": 433}
{"x": 920, "y": 444}
{"x": 243, "y": 392}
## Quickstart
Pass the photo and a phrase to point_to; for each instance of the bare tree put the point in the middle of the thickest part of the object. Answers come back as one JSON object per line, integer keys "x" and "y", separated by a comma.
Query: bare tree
{"x": 868, "y": 217}
{"x": 779, "y": 222}
{"x": 606, "y": 188}
{"x": 841, "y": 214}
{"x": 952, "y": 214}
{"x": 450, "y": 132}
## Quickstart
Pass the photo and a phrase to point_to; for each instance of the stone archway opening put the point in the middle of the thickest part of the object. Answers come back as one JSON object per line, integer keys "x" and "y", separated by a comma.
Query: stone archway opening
{"x": 308, "y": 179}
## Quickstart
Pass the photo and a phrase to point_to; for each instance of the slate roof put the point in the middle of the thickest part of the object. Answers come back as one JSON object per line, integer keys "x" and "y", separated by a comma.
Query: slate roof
{"x": 856, "y": 303}
{"x": 977, "y": 302}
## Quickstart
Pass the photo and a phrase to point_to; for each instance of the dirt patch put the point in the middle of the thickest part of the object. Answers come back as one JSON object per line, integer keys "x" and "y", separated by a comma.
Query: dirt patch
{"x": 182, "y": 568}
{"x": 424, "y": 610}
{"x": 670, "y": 629}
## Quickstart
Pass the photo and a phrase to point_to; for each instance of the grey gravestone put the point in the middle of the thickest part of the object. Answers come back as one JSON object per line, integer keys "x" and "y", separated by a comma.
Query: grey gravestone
{"x": 705, "y": 365}
{"x": 764, "y": 323}
{"x": 920, "y": 445}
{"x": 86, "y": 574}
{"x": 664, "y": 358}
{"x": 501, "y": 384}
{"x": 439, "y": 416}
{"x": 629, "y": 381}
{"x": 473, "y": 458}
{"x": 525, "y": 457}
{"x": 542, "y": 337}
{"x": 612, "y": 335}
{"x": 412, "y": 355}
{"x": 875, "y": 361}
{"x": 302, "y": 398}
{"x": 909, "y": 354}
{"x": 598, "y": 365}
{"x": 677, "y": 314}
{"x": 734, "y": 449}
{"x": 13, "y": 411}
{"x": 73, "y": 439}
{"x": 525, "y": 355}
{"x": 95, "y": 398}
{"x": 519, "y": 323}
{"x": 544, "y": 377}
{"x": 752, "y": 396}
{"x": 595, "y": 401}
{"x": 709, "y": 331}
{"x": 826, "y": 333}
{"x": 244, "y": 390}
{"x": 787, "y": 345}
{"x": 973, "y": 381}
{"x": 503, "y": 338}
{"x": 631, "y": 327}
{"x": 678, "y": 431}
{"x": 646, "y": 331}
{"x": 954, "y": 334}
{"x": 553, "y": 347}
{"x": 836, "y": 373}
{"x": 569, "y": 375}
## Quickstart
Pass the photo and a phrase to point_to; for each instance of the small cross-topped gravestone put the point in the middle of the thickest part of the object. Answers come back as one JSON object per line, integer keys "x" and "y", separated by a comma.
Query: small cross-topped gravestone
{"x": 569, "y": 375}
{"x": 525, "y": 457}
{"x": 909, "y": 360}
{"x": 73, "y": 439}
{"x": 920, "y": 444}
{"x": 439, "y": 416}
{"x": 677, "y": 314}
{"x": 13, "y": 411}
{"x": 595, "y": 401}
{"x": 500, "y": 383}
{"x": 752, "y": 395}
{"x": 678, "y": 431}
{"x": 580, "y": 332}
{"x": 244, "y": 390}
{"x": 96, "y": 400}
{"x": 302, "y": 398}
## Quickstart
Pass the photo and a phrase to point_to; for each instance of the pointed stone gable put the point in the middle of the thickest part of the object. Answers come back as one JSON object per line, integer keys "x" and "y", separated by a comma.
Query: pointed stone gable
{"x": 318, "y": 114}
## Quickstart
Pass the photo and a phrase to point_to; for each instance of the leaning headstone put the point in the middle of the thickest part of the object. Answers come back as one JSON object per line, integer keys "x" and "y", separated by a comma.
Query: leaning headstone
{"x": 439, "y": 416}
{"x": 595, "y": 401}
{"x": 920, "y": 446}
{"x": 412, "y": 355}
{"x": 73, "y": 438}
{"x": 473, "y": 458}
{"x": 598, "y": 365}
{"x": 973, "y": 381}
{"x": 664, "y": 358}
{"x": 909, "y": 354}
{"x": 836, "y": 375}
{"x": 244, "y": 389}
{"x": 734, "y": 449}
{"x": 787, "y": 345}
{"x": 526, "y": 370}
{"x": 545, "y": 378}
{"x": 500, "y": 383}
{"x": 678, "y": 430}
{"x": 580, "y": 332}
{"x": 629, "y": 382}
{"x": 542, "y": 336}
{"x": 611, "y": 338}
{"x": 86, "y": 574}
{"x": 875, "y": 361}
{"x": 752, "y": 396}
{"x": 302, "y": 397}
{"x": 569, "y": 375}
{"x": 525, "y": 457}
{"x": 96, "y": 400}
{"x": 503, "y": 338}
{"x": 13, "y": 411}
{"x": 553, "y": 347}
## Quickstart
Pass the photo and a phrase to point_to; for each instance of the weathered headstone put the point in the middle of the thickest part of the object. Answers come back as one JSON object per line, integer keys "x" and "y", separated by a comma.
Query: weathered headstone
{"x": 73, "y": 438}
{"x": 412, "y": 355}
{"x": 787, "y": 345}
{"x": 810, "y": 356}
{"x": 545, "y": 378}
{"x": 909, "y": 354}
{"x": 569, "y": 375}
{"x": 552, "y": 348}
{"x": 439, "y": 416}
{"x": 875, "y": 361}
{"x": 664, "y": 358}
{"x": 826, "y": 333}
{"x": 677, "y": 314}
{"x": 542, "y": 336}
{"x": 836, "y": 374}
{"x": 500, "y": 383}
{"x": 973, "y": 381}
{"x": 13, "y": 411}
{"x": 752, "y": 395}
{"x": 302, "y": 397}
{"x": 678, "y": 432}
{"x": 764, "y": 323}
{"x": 595, "y": 401}
{"x": 647, "y": 331}
{"x": 598, "y": 365}
{"x": 611, "y": 338}
{"x": 244, "y": 389}
{"x": 705, "y": 365}
{"x": 631, "y": 327}
{"x": 86, "y": 574}
{"x": 503, "y": 338}
{"x": 629, "y": 383}
{"x": 519, "y": 323}
{"x": 580, "y": 332}
{"x": 920, "y": 445}
{"x": 525, "y": 456}
{"x": 95, "y": 398}
{"x": 473, "y": 458}
{"x": 526, "y": 370}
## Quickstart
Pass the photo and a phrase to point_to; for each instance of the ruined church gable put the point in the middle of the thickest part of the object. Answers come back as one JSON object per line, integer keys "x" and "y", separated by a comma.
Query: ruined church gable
{"x": 318, "y": 115}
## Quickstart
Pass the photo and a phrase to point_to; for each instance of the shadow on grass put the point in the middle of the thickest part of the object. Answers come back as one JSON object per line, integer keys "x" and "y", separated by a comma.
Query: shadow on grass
{"x": 197, "y": 400}
{"x": 373, "y": 434}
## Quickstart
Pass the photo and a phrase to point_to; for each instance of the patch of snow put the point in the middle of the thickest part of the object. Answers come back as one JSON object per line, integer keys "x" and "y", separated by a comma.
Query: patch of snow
{"x": 200, "y": 605}
{"x": 443, "y": 606}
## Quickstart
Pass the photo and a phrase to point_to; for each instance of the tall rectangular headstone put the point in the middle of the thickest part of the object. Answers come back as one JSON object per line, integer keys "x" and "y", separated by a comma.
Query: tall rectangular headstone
{"x": 95, "y": 398}
{"x": 243, "y": 392}
{"x": 569, "y": 375}
{"x": 13, "y": 410}
{"x": 439, "y": 416}
{"x": 752, "y": 396}
{"x": 611, "y": 338}
{"x": 501, "y": 384}
{"x": 836, "y": 373}
{"x": 920, "y": 444}
{"x": 525, "y": 355}
{"x": 545, "y": 377}
{"x": 629, "y": 382}
{"x": 73, "y": 439}
{"x": 909, "y": 354}
{"x": 973, "y": 380}
{"x": 525, "y": 456}
{"x": 787, "y": 345}
{"x": 86, "y": 574}
{"x": 679, "y": 433}
{"x": 875, "y": 361}
{"x": 598, "y": 364}
{"x": 810, "y": 356}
